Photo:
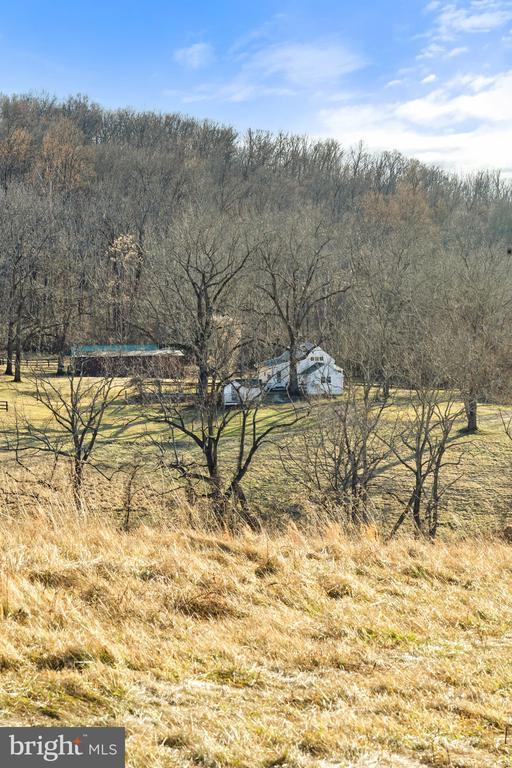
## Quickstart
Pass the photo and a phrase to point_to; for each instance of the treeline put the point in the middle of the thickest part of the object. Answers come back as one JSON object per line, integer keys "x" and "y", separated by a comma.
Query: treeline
{"x": 119, "y": 226}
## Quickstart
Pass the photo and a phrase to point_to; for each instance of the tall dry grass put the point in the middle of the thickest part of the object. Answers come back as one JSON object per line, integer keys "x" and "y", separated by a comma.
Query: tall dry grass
{"x": 290, "y": 649}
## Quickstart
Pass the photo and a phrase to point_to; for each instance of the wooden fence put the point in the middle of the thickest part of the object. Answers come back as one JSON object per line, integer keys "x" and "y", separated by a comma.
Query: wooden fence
{"x": 40, "y": 362}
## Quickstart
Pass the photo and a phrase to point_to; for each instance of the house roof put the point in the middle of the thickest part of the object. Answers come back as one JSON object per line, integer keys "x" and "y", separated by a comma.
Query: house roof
{"x": 312, "y": 368}
{"x": 246, "y": 382}
{"x": 124, "y": 350}
{"x": 80, "y": 350}
{"x": 303, "y": 351}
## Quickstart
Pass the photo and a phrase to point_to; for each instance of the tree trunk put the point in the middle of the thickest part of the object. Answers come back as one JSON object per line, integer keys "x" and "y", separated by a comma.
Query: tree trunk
{"x": 245, "y": 513}
{"x": 61, "y": 367}
{"x": 10, "y": 349}
{"x": 413, "y": 504}
{"x": 219, "y": 504}
{"x": 293, "y": 379}
{"x": 217, "y": 497}
{"x": 359, "y": 506}
{"x": 293, "y": 384}
{"x": 202, "y": 380}
{"x": 435, "y": 497}
{"x": 17, "y": 359}
{"x": 471, "y": 408}
{"x": 77, "y": 476}
{"x": 416, "y": 511}
{"x": 433, "y": 518}
{"x": 61, "y": 363}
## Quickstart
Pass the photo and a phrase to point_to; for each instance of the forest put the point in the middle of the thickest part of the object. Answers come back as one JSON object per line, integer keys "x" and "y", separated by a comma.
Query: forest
{"x": 123, "y": 227}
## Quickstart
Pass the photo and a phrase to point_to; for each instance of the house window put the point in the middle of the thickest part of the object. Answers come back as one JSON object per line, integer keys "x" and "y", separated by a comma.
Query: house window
{"x": 278, "y": 376}
{"x": 317, "y": 358}
{"x": 325, "y": 380}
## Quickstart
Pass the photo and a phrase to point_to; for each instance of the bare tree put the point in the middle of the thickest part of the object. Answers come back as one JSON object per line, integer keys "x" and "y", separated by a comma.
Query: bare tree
{"x": 76, "y": 408}
{"x": 477, "y": 299}
{"x": 296, "y": 280}
{"x": 212, "y": 448}
{"x": 338, "y": 460}
{"x": 194, "y": 301}
{"x": 24, "y": 245}
{"x": 424, "y": 446}
{"x": 390, "y": 237}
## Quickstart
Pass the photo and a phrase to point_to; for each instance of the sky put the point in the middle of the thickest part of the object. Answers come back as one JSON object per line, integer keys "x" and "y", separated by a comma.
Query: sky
{"x": 430, "y": 79}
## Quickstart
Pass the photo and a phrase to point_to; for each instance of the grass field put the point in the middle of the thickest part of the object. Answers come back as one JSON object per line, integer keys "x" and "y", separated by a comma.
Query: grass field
{"x": 481, "y": 497}
{"x": 297, "y": 647}
{"x": 258, "y": 651}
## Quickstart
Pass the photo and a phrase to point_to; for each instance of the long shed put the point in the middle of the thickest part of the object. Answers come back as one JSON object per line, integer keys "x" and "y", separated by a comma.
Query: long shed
{"x": 127, "y": 360}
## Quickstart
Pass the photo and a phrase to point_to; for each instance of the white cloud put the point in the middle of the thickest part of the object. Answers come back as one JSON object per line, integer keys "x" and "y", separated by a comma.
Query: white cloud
{"x": 381, "y": 129}
{"x": 479, "y": 16}
{"x": 234, "y": 91}
{"x": 473, "y": 82}
{"x": 256, "y": 35}
{"x": 282, "y": 69}
{"x": 455, "y": 18}
{"x": 460, "y": 130}
{"x": 195, "y": 56}
{"x": 457, "y": 51}
{"x": 305, "y": 64}
{"x": 432, "y": 6}
{"x": 432, "y": 51}
{"x": 486, "y": 99}
{"x": 460, "y": 123}
{"x": 462, "y": 18}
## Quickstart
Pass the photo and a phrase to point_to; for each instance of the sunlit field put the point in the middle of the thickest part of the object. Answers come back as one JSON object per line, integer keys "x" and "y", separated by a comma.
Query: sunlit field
{"x": 262, "y": 650}
{"x": 480, "y": 497}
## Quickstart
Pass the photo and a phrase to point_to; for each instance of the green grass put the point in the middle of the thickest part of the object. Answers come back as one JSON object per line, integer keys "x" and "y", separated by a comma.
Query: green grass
{"x": 482, "y": 493}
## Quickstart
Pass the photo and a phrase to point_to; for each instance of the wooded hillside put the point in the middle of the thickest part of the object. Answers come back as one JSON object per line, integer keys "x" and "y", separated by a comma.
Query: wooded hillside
{"x": 104, "y": 214}
{"x": 126, "y": 227}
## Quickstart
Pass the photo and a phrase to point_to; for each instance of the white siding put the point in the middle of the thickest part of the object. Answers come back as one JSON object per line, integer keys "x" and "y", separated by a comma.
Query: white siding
{"x": 277, "y": 376}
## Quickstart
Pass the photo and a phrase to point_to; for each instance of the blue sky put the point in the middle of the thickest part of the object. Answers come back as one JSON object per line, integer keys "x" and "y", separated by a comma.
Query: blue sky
{"x": 432, "y": 79}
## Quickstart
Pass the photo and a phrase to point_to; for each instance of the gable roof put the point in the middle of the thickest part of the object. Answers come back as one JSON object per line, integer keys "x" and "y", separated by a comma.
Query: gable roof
{"x": 245, "y": 383}
{"x": 123, "y": 350}
{"x": 303, "y": 351}
{"x": 311, "y": 369}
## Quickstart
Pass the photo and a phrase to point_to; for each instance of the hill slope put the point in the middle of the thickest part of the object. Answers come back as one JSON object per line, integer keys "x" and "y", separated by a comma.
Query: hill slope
{"x": 215, "y": 651}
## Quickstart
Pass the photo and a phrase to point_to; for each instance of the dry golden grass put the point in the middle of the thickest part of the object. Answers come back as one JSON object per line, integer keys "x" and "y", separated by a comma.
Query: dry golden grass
{"x": 284, "y": 650}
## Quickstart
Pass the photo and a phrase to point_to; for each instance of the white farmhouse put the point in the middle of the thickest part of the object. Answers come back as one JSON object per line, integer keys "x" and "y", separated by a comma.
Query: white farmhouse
{"x": 317, "y": 372}
{"x": 241, "y": 391}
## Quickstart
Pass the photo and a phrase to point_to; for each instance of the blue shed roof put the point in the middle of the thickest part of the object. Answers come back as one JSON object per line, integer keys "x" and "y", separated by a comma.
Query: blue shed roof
{"x": 80, "y": 350}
